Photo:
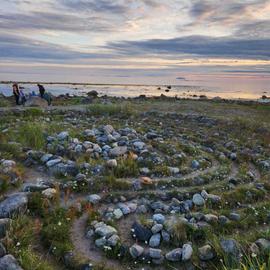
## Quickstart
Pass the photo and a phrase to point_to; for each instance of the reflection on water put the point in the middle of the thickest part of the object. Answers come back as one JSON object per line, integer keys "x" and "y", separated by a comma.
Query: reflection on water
{"x": 229, "y": 87}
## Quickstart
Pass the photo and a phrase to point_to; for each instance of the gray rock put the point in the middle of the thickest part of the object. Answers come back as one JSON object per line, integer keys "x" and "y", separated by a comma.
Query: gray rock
{"x": 113, "y": 240}
{"x": 140, "y": 232}
{"x": 165, "y": 236}
{"x": 118, "y": 151}
{"x": 223, "y": 220}
{"x": 35, "y": 101}
{"x": 141, "y": 209}
{"x": 8, "y": 262}
{"x": 108, "y": 129}
{"x": 63, "y": 135}
{"x": 14, "y": 204}
{"x": 117, "y": 213}
{"x": 136, "y": 251}
{"x": 186, "y": 252}
{"x": 173, "y": 170}
{"x": 112, "y": 163}
{"x": 106, "y": 231}
{"x": 53, "y": 162}
{"x": 101, "y": 242}
{"x": 46, "y": 157}
{"x": 235, "y": 216}
{"x": 174, "y": 255}
{"x": 156, "y": 228}
{"x": 198, "y": 200}
{"x": 159, "y": 218}
{"x": 263, "y": 244}
{"x": 230, "y": 247}
{"x": 195, "y": 164}
{"x": 155, "y": 240}
{"x": 206, "y": 253}
{"x": 155, "y": 253}
{"x": 94, "y": 198}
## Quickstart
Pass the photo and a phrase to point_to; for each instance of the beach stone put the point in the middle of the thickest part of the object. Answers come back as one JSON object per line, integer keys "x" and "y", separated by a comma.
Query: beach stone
{"x": 155, "y": 253}
{"x": 108, "y": 129}
{"x": 165, "y": 236}
{"x": 94, "y": 198}
{"x": 136, "y": 251}
{"x": 234, "y": 216}
{"x": 105, "y": 230}
{"x": 113, "y": 240}
{"x": 206, "y": 253}
{"x": 263, "y": 244}
{"x": 63, "y": 135}
{"x": 155, "y": 240}
{"x": 159, "y": 218}
{"x": 118, "y": 213}
{"x": 195, "y": 164}
{"x": 14, "y": 204}
{"x": 53, "y": 162}
{"x": 230, "y": 247}
{"x": 124, "y": 208}
{"x": 35, "y": 101}
{"x": 156, "y": 228}
{"x": 46, "y": 157}
{"x": 174, "y": 255}
{"x": 140, "y": 232}
{"x": 101, "y": 242}
{"x": 198, "y": 200}
{"x": 118, "y": 151}
{"x": 8, "y": 262}
{"x": 112, "y": 163}
{"x": 186, "y": 252}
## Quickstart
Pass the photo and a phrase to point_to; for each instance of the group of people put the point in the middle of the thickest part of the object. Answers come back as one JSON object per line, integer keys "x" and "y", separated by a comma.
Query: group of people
{"x": 20, "y": 97}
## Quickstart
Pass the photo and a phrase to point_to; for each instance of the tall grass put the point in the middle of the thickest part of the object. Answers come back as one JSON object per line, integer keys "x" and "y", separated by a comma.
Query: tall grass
{"x": 31, "y": 135}
{"x": 110, "y": 109}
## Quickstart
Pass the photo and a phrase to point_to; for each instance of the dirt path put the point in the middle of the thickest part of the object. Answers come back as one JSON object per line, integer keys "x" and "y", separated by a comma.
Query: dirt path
{"x": 86, "y": 248}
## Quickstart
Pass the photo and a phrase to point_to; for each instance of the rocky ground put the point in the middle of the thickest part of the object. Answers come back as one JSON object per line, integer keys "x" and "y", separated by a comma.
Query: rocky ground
{"x": 142, "y": 184}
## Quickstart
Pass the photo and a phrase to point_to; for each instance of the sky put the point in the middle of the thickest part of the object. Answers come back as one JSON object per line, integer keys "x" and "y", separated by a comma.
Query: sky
{"x": 134, "y": 41}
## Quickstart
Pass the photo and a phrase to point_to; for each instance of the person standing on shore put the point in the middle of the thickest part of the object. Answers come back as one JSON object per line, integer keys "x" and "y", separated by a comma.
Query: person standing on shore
{"x": 16, "y": 93}
{"x": 41, "y": 90}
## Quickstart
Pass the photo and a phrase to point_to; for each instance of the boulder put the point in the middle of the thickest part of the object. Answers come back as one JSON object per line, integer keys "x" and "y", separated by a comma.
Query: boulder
{"x": 140, "y": 232}
{"x": 159, "y": 218}
{"x": 155, "y": 253}
{"x": 263, "y": 244}
{"x": 231, "y": 248}
{"x": 198, "y": 200}
{"x": 94, "y": 198}
{"x": 36, "y": 102}
{"x": 174, "y": 255}
{"x": 136, "y": 251}
{"x": 13, "y": 204}
{"x": 118, "y": 151}
{"x": 186, "y": 252}
{"x": 155, "y": 240}
{"x": 206, "y": 253}
{"x": 8, "y": 262}
{"x": 105, "y": 231}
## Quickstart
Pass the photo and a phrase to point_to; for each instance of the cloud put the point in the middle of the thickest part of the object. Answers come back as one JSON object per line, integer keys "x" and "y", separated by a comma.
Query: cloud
{"x": 16, "y": 47}
{"x": 255, "y": 29}
{"x": 96, "y": 6}
{"x": 53, "y": 21}
{"x": 204, "y": 46}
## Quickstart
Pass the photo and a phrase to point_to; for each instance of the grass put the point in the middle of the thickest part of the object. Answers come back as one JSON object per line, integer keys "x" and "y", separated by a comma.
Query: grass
{"x": 31, "y": 135}
{"x": 110, "y": 109}
{"x": 19, "y": 242}
{"x": 126, "y": 167}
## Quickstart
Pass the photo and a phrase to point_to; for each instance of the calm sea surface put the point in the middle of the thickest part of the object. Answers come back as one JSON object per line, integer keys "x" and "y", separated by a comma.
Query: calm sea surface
{"x": 231, "y": 88}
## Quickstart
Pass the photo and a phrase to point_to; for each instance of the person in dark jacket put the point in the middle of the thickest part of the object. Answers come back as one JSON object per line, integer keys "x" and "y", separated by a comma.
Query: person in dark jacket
{"x": 16, "y": 93}
{"x": 41, "y": 90}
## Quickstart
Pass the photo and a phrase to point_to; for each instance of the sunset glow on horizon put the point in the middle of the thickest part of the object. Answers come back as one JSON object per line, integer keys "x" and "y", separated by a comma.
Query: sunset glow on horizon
{"x": 134, "y": 41}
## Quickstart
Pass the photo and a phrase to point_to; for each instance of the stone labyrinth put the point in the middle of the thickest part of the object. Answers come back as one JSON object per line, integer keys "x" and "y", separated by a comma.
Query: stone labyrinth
{"x": 162, "y": 191}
